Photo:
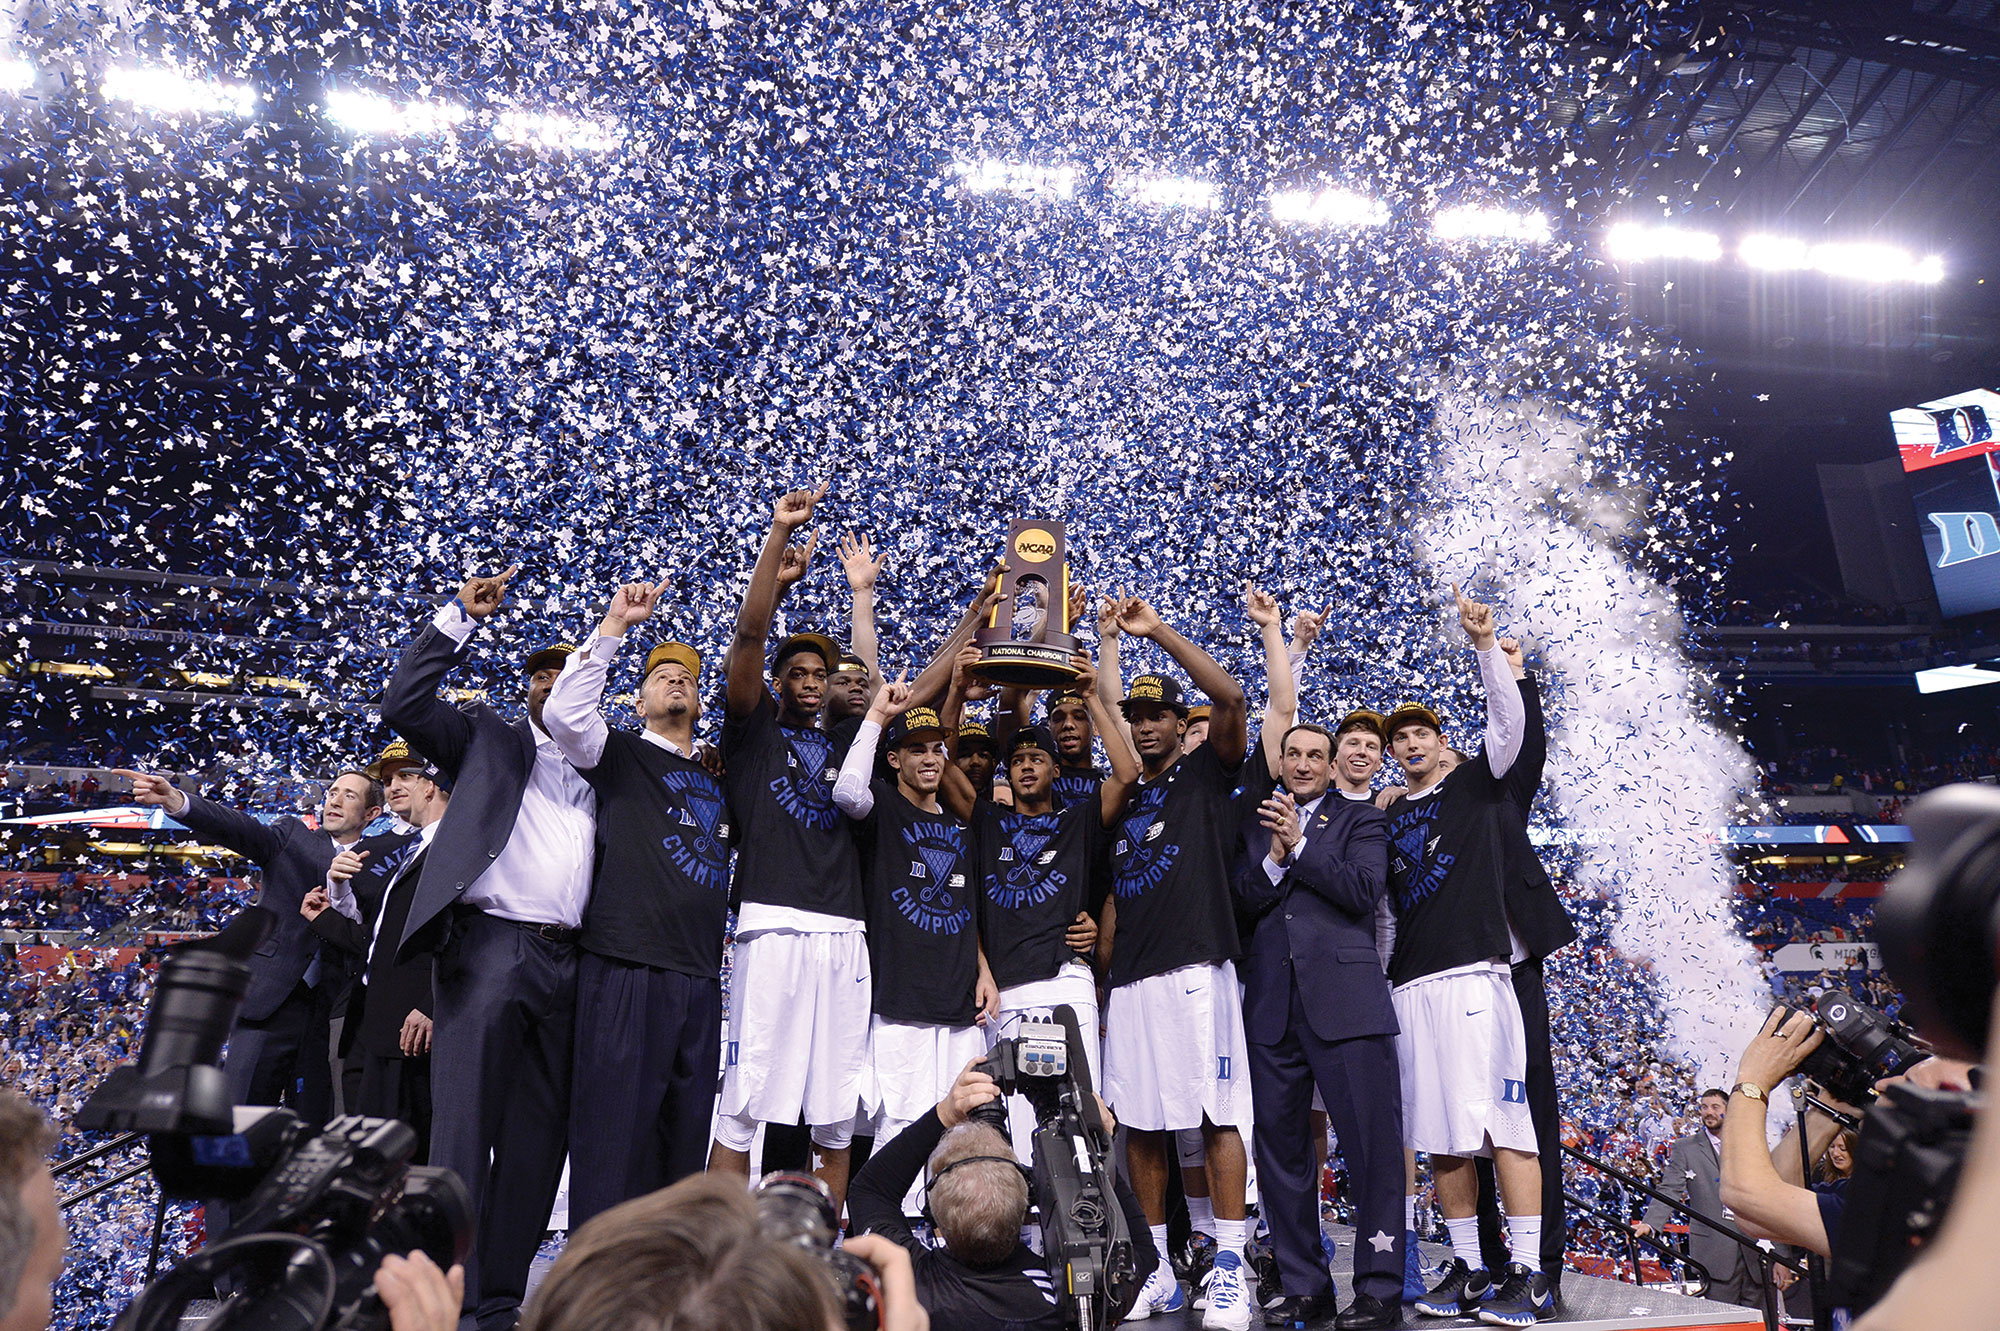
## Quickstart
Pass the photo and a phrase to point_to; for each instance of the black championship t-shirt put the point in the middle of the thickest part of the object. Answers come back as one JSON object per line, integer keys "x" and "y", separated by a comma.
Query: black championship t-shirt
{"x": 1170, "y": 859}
{"x": 1035, "y": 874}
{"x": 1447, "y": 873}
{"x": 795, "y": 849}
{"x": 661, "y": 893}
{"x": 1076, "y": 785}
{"x": 923, "y": 938}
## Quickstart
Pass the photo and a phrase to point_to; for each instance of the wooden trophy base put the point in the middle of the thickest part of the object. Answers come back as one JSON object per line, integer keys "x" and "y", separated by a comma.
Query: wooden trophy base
{"x": 1027, "y": 665}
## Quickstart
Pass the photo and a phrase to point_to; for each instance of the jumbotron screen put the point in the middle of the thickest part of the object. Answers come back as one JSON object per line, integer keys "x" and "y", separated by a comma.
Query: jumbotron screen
{"x": 1952, "y": 458}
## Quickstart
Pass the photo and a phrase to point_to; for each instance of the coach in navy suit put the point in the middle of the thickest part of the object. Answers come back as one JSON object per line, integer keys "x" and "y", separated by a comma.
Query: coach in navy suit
{"x": 277, "y": 1052}
{"x": 1316, "y": 1012}
{"x": 501, "y": 901}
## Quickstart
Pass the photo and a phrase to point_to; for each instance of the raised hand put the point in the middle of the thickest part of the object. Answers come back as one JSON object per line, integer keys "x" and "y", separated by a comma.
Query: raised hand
{"x": 893, "y": 698}
{"x": 1516, "y": 660}
{"x": 1261, "y": 605}
{"x": 795, "y": 509}
{"x": 154, "y": 790}
{"x": 633, "y": 603}
{"x": 989, "y": 593}
{"x": 482, "y": 596}
{"x": 345, "y": 865}
{"x": 1137, "y": 618}
{"x": 798, "y": 558}
{"x": 860, "y": 562}
{"x": 1076, "y": 607}
{"x": 1086, "y": 675}
{"x": 1107, "y": 618}
{"x": 1306, "y": 629}
{"x": 1475, "y": 617}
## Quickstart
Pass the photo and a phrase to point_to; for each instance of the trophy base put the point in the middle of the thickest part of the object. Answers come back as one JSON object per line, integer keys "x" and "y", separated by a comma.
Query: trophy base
{"x": 1028, "y": 665}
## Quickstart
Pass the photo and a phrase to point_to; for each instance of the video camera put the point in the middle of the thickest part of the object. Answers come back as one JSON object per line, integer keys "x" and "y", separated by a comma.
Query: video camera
{"x": 1086, "y": 1240}
{"x": 1939, "y": 929}
{"x": 1862, "y": 1046}
{"x": 319, "y": 1210}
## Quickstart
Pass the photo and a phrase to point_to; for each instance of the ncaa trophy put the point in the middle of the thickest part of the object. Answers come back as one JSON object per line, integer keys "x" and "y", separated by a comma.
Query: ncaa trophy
{"x": 1026, "y": 641}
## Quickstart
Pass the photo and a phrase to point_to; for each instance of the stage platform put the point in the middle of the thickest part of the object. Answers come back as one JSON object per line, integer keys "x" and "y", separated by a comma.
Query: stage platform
{"x": 1588, "y": 1304}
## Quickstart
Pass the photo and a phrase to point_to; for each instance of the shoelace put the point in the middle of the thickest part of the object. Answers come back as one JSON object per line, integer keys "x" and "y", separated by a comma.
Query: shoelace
{"x": 1227, "y": 1291}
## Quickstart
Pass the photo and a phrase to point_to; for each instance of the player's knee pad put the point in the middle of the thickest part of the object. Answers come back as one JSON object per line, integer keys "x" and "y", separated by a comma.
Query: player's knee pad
{"x": 833, "y": 1136}
{"x": 736, "y": 1131}
{"x": 1192, "y": 1147}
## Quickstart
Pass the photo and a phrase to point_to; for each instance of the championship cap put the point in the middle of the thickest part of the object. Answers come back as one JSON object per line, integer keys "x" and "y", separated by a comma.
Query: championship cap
{"x": 399, "y": 755}
{"x": 918, "y": 723}
{"x": 850, "y": 663}
{"x": 548, "y": 658}
{"x": 1032, "y": 737}
{"x": 1164, "y": 690}
{"x": 1199, "y": 713}
{"x": 1362, "y": 718}
{"x": 678, "y": 653}
{"x": 976, "y": 735}
{"x": 1411, "y": 714}
{"x": 817, "y": 643}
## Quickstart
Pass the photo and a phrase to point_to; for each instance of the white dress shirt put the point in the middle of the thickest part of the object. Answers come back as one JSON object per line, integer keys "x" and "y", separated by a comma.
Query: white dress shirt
{"x": 542, "y": 875}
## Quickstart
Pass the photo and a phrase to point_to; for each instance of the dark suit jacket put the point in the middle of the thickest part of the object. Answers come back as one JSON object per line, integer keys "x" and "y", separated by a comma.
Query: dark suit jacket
{"x": 294, "y": 859}
{"x": 1316, "y": 928}
{"x": 488, "y": 761}
{"x": 1693, "y": 1177}
{"x": 384, "y": 996}
{"x": 1534, "y": 907}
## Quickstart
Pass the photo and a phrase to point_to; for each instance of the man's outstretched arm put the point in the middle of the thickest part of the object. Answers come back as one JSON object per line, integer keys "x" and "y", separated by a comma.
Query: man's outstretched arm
{"x": 1229, "y": 714}
{"x": 760, "y": 598}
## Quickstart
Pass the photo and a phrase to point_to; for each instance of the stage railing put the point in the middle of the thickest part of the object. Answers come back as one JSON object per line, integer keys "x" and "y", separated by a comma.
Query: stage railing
{"x": 1765, "y": 1258}
{"x": 122, "y": 1141}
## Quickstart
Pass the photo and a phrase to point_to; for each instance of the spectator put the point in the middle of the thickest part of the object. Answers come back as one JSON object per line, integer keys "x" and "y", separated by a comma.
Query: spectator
{"x": 32, "y": 1236}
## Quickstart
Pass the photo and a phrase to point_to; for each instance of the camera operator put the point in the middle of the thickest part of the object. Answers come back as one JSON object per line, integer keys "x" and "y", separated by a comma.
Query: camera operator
{"x": 1761, "y": 1187}
{"x": 984, "y": 1276}
{"x": 695, "y": 1254}
{"x": 1956, "y": 1282}
{"x": 1763, "y": 1191}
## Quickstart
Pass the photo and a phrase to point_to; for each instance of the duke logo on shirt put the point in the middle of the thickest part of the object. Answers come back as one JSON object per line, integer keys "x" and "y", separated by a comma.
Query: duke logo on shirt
{"x": 934, "y": 898}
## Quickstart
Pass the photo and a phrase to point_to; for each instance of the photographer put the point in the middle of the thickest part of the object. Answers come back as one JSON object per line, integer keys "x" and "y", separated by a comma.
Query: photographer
{"x": 696, "y": 1255}
{"x": 984, "y": 1276}
{"x": 1955, "y": 1283}
{"x": 32, "y": 1234}
{"x": 1761, "y": 1187}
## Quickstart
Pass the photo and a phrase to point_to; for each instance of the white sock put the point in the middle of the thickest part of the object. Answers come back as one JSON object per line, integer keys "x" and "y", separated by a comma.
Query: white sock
{"x": 1524, "y": 1241}
{"x": 1465, "y": 1241}
{"x": 1201, "y": 1215}
{"x": 1410, "y": 1214}
{"x": 1160, "y": 1246}
{"x": 1229, "y": 1236}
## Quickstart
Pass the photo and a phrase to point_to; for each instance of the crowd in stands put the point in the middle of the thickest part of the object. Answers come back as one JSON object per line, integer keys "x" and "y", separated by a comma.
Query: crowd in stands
{"x": 118, "y": 907}
{"x": 61, "y": 1030}
{"x": 1834, "y": 771}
